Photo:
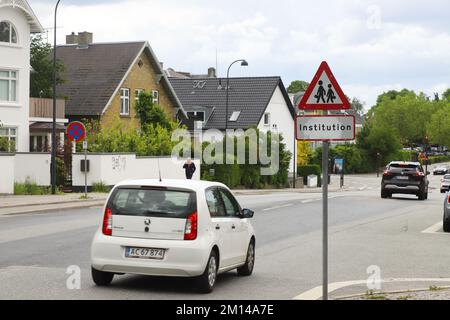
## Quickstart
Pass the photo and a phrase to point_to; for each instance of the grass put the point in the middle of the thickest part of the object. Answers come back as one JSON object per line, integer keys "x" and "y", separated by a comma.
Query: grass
{"x": 30, "y": 188}
{"x": 370, "y": 295}
{"x": 100, "y": 187}
{"x": 435, "y": 288}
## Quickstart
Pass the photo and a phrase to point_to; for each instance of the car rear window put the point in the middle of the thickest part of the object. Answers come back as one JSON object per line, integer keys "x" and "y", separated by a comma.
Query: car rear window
{"x": 153, "y": 202}
{"x": 447, "y": 177}
{"x": 407, "y": 167}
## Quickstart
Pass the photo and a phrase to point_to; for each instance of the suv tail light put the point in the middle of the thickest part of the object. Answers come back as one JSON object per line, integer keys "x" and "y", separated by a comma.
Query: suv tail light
{"x": 190, "y": 232}
{"x": 448, "y": 199}
{"x": 107, "y": 222}
{"x": 419, "y": 174}
{"x": 387, "y": 174}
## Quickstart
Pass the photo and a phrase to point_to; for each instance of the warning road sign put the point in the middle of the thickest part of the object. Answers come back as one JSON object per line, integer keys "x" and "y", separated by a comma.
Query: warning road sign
{"x": 324, "y": 93}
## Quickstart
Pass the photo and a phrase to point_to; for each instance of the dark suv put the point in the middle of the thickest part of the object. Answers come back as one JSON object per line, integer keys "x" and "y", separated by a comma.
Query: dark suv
{"x": 405, "y": 178}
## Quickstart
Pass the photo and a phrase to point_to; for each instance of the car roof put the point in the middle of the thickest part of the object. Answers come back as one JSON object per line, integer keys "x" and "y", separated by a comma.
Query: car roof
{"x": 195, "y": 185}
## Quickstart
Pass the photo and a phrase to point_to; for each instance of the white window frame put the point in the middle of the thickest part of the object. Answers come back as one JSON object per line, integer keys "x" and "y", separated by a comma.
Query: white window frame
{"x": 137, "y": 93}
{"x": 10, "y": 136}
{"x": 11, "y": 28}
{"x": 10, "y": 80}
{"x": 124, "y": 101}
{"x": 196, "y": 113}
{"x": 155, "y": 95}
{"x": 267, "y": 123}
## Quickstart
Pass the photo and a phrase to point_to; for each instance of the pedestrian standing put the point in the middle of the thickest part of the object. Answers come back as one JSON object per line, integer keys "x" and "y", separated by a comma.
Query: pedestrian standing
{"x": 190, "y": 169}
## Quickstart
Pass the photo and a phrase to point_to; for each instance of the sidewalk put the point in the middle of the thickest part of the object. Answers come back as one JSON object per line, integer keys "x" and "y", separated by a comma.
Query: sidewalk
{"x": 10, "y": 205}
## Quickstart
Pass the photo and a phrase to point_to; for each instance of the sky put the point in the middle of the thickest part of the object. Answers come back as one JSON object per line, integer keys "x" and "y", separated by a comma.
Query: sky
{"x": 371, "y": 46}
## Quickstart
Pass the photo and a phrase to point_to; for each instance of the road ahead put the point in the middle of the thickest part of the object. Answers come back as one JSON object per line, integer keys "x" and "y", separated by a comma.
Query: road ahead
{"x": 37, "y": 249}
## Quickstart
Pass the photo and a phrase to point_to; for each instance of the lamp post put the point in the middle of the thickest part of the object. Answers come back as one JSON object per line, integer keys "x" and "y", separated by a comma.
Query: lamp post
{"x": 378, "y": 164}
{"x": 53, "y": 164}
{"x": 244, "y": 63}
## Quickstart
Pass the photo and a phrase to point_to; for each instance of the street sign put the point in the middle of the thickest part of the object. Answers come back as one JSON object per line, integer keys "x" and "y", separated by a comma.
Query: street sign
{"x": 85, "y": 145}
{"x": 325, "y": 128}
{"x": 324, "y": 92}
{"x": 76, "y": 131}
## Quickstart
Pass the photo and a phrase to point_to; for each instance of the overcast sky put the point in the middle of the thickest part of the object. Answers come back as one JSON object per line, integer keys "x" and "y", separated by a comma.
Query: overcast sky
{"x": 371, "y": 46}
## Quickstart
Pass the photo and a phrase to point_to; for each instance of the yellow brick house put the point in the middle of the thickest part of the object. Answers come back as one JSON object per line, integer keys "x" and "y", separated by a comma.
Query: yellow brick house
{"x": 102, "y": 81}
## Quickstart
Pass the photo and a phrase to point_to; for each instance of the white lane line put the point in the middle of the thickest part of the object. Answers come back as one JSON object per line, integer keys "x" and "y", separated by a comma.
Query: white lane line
{"x": 279, "y": 207}
{"x": 435, "y": 228}
{"x": 310, "y": 200}
{"x": 316, "y": 293}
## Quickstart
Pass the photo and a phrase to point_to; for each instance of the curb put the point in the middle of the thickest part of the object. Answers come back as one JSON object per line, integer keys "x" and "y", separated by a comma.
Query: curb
{"x": 42, "y": 208}
{"x": 357, "y": 295}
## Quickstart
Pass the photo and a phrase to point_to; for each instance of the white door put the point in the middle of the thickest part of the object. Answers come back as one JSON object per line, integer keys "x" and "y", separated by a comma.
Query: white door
{"x": 239, "y": 227}
{"x": 221, "y": 226}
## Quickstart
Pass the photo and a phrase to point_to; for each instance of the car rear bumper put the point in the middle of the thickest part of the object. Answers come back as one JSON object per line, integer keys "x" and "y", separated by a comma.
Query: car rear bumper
{"x": 181, "y": 259}
{"x": 407, "y": 189}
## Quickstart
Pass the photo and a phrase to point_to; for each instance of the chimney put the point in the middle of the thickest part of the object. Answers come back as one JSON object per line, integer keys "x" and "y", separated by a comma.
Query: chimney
{"x": 162, "y": 65}
{"x": 85, "y": 38}
{"x": 212, "y": 73}
{"x": 72, "y": 38}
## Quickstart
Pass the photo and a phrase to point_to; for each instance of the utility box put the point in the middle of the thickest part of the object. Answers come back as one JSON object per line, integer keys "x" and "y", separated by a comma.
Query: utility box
{"x": 312, "y": 181}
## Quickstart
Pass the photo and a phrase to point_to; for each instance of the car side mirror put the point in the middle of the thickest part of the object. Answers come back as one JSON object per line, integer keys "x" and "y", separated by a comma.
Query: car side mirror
{"x": 247, "y": 214}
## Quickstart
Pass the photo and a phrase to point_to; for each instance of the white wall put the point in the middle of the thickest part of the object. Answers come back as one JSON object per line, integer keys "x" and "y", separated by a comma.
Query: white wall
{"x": 113, "y": 168}
{"x": 285, "y": 124}
{"x": 35, "y": 166}
{"x": 6, "y": 174}
{"x": 16, "y": 57}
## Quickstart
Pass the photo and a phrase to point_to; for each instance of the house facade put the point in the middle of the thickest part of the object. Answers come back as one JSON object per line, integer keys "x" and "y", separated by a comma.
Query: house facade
{"x": 17, "y": 22}
{"x": 102, "y": 81}
{"x": 252, "y": 101}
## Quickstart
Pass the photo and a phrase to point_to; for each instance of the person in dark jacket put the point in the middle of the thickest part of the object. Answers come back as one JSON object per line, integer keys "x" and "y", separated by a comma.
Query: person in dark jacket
{"x": 190, "y": 169}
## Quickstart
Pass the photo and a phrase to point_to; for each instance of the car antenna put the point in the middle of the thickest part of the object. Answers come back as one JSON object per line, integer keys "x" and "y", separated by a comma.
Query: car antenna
{"x": 159, "y": 171}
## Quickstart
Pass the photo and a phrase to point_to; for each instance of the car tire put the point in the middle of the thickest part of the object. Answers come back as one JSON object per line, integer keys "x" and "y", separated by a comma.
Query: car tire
{"x": 101, "y": 278}
{"x": 422, "y": 196}
{"x": 384, "y": 194}
{"x": 247, "y": 269}
{"x": 207, "y": 280}
{"x": 446, "y": 225}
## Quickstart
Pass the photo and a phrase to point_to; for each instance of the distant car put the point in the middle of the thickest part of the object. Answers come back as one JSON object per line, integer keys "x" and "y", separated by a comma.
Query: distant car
{"x": 441, "y": 170}
{"x": 445, "y": 183}
{"x": 404, "y": 178}
{"x": 173, "y": 228}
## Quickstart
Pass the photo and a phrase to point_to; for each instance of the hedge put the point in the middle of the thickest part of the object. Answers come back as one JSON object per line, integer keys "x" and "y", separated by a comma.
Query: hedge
{"x": 305, "y": 171}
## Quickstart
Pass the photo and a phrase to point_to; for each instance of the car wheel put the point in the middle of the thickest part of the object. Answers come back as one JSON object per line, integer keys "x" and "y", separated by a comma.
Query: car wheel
{"x": 446, "y": 225}
{"x": 384, "y": 194}
{"x": 247, "y": 268}
{"x": 101, "y": 278}
{"x": 422, "y": 195}
{"x": 208, "y": 279}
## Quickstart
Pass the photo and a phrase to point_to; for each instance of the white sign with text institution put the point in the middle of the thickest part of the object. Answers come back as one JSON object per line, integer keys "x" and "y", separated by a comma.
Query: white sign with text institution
{"x": 325, "y": 128}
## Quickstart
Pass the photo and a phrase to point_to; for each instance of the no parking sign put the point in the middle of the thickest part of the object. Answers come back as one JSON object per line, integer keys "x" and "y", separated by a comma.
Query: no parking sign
{"x": 76, "y": 131}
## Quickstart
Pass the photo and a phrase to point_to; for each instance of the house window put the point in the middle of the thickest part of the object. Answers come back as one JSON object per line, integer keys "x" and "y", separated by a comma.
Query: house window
{"x": 137, "y": 93}
{"x": 124, "y": 102}
{"x": 267, "y": 119}
{"x": 155, "y": 94}
{"x": 7, "y": 32}
{"x": 8, "y": 139}
{"x": 8, "y": 86}
{"x": 235, "y": 116}
{"x": 197, "y": 115}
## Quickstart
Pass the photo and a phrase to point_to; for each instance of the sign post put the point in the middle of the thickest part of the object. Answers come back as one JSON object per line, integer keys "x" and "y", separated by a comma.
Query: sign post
{"x": 76, "y": 132}
{"x": 324, "y": 93}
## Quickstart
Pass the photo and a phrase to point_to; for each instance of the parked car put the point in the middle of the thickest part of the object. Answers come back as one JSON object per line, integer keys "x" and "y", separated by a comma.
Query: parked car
{"x": 440, "y": 170}
{"x": 445, "y": 183}
{"x": 446, "y": 219}
{"x": 404, "y": 178}
{"x": 173, "y": 228}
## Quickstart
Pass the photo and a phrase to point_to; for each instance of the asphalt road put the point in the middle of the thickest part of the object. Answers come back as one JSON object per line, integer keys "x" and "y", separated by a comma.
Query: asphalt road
{"x": 37, "y": 249}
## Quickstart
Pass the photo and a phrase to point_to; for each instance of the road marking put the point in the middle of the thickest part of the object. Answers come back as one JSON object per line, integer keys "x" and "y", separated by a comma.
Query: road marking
{"x": 310, "y": 200}
{"x": 316, "y": 293}
{"x": 279, "y": 207}
{"x": 436, "y": 228}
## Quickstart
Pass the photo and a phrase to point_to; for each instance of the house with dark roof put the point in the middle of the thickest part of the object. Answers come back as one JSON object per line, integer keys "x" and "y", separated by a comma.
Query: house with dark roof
{"x": 252, "y": 101}
{"x": 102, "y": 81}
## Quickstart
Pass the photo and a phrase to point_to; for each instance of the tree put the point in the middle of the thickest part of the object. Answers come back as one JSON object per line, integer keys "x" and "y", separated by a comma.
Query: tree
{"x": 439, "y": 128}
{"x": 357, "y": 105}
{"x": 41, "y": 78}
{"x": 446, "y": 95}
{"x": 298, "y": 86}
{"x": 149, "y": 113}
{"x": 304, "y": 152}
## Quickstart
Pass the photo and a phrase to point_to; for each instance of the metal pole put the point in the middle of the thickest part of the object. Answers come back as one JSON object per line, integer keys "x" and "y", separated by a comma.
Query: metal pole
{"x": 53, "y": 161}
{"x": 295, "y": 155}
{"x": 85, "y": 173}
{"x": 325, "y": 152}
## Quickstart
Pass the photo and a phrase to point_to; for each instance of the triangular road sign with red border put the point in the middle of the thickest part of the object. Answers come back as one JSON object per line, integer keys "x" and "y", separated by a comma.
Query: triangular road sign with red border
{"x": 324, "y": 93}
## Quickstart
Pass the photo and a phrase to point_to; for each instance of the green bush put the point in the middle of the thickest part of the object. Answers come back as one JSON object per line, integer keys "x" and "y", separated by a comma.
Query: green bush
{"x": 438, "y": 159}
{"x": 305, "y": 171}
{"x": 29, "y": 188}
{"x": 100, "y": 187}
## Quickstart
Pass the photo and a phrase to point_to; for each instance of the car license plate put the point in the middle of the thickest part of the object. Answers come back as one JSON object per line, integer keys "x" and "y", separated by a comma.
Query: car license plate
{"x": 403, "y": 178}
{"x": 144, "y": 253}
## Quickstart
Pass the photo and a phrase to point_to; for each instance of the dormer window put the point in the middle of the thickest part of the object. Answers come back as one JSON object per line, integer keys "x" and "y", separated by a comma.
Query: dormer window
{"x": 8, "y": 33}
{"x": 235, "y": 116}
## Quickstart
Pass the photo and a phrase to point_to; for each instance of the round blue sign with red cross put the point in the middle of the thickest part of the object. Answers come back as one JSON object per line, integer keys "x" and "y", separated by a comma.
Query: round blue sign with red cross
{"x": 76, "y": 131}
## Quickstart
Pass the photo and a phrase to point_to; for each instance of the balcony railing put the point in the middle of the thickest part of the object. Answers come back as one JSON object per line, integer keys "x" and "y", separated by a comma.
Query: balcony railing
{"x": 43, "y": 108}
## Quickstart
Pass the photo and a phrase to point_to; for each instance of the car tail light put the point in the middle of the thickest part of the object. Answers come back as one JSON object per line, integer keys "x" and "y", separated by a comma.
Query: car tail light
{"x": 419, "y": 174}
{"x": 107, "y": 222}
{"x": 448, "y": 198}
{"x": 387, "y": 174}
{"x": 190, "y": 232}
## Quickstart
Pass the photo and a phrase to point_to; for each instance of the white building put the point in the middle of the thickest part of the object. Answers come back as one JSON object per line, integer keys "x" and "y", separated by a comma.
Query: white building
{"x": 17, "y": 22}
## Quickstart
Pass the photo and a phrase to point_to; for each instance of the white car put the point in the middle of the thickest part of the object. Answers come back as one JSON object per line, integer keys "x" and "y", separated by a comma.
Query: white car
{"x": 175, "y": 228}
{"x": 445, "y": 183}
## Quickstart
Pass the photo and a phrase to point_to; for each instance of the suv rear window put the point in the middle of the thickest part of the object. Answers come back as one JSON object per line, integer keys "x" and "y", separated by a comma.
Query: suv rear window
{"x": 153, "y": 202}
{"x": 408, "y": 167}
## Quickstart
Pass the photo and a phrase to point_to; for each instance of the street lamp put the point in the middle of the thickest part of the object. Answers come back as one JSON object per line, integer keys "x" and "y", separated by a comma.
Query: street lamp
{"x": 244, "y": 63}
{"x": 53, "y": 164}
{"x": 378, "y": 164}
